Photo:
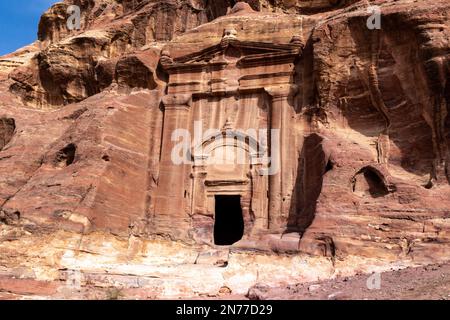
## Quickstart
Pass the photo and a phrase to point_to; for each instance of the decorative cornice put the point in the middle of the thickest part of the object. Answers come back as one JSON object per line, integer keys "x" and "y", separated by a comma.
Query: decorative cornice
{"x": 177, "y": 100}
{"x": 298, "y": 41}
{"x": 279, "y": 53}
{"x": 282, "y": 91}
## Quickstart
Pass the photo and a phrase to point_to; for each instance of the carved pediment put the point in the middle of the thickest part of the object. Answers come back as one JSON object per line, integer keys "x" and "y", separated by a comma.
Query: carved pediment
{"x": 247, "y": 48}
{"x": 232, "y": 65}
{"x": 241, "y": 52}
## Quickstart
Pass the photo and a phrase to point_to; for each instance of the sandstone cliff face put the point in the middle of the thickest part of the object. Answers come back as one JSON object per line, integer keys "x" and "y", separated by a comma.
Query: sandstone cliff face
{"x": 81, "y": 133}
{"x": 369, "y": 84}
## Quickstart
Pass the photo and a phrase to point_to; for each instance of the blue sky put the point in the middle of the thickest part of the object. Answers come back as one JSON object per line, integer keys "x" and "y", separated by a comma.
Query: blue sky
{"x": 19, "y": 22}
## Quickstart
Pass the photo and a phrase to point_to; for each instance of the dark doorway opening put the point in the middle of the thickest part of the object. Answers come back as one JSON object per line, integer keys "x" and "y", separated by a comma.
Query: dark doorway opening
{"x": 229, "y": 222}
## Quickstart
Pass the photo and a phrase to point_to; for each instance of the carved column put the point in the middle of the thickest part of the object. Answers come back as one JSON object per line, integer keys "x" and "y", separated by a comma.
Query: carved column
{"x": 199, "y": 205}
{"x": 171, "y": 201}
{"x": 259, "y": 195}
{"x": 280, "y": 183}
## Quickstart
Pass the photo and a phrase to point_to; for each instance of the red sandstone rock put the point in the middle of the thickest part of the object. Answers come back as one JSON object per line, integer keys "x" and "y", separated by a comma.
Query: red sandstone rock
{"x": 27, "y": 287}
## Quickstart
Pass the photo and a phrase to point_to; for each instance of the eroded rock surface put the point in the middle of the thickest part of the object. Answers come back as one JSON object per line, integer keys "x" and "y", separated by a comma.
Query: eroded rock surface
{"x": 86, "y": 123}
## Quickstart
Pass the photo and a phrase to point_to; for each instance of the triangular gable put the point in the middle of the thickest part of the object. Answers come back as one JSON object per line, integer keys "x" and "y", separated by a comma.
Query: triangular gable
{"x": 249, "y": 47}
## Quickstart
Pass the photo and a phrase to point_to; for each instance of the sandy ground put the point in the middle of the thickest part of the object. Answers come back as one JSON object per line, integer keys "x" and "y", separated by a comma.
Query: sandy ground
{"x": 430, "y": 283}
